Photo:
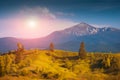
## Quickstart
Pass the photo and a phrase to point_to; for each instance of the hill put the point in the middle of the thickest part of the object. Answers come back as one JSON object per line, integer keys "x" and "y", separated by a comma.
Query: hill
{"x": 38, "y": 64}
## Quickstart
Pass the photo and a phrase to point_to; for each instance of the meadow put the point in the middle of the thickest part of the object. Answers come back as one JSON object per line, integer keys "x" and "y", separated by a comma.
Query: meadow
{"x": 38, "y": 64}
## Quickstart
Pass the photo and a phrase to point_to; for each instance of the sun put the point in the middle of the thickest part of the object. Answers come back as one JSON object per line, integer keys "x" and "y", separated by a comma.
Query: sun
{"x": 32, "y": 23}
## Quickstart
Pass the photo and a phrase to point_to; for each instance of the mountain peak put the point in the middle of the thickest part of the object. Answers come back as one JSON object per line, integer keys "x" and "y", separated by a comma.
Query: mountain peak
{"x": 83, "y": 28}
{"x": 80, "y": 29}
{"x": 82, "y": 24}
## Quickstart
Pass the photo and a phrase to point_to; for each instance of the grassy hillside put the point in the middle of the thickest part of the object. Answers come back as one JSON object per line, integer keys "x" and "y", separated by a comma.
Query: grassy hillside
{"x": 59, "y": 65}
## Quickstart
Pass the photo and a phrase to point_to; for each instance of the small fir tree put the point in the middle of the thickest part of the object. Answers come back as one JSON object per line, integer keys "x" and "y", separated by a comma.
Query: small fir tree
{"x": 20, "y": 47}
{"x": 82, "y": 52}
{"x": 19, "y": 53}
{"x": 51, "y": 47}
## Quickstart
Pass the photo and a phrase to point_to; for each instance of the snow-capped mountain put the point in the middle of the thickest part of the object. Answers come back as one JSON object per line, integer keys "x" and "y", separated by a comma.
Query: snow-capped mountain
{"x": 96, "y": 39}
{"x": 82, "y": 29}
{"x": 104, "y": 39}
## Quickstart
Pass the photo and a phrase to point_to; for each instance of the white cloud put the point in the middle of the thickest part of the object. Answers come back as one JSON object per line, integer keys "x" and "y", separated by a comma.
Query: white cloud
{"x": 42, "y": 12}
{"x": 64, "y": 14}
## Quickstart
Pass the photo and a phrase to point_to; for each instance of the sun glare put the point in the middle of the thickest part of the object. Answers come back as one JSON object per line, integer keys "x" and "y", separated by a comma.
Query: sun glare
{"x": 32, "y": 23}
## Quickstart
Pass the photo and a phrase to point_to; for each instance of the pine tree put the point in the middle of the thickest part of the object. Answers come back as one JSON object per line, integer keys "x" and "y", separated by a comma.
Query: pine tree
{"x": 19, "y": 53}
{"x": 20, "y": 47}
{"x": 51, "y": 47}
{"x": 82, "y": 51}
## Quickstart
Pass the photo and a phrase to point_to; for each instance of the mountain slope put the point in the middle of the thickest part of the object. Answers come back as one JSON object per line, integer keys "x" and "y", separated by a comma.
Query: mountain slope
{"x": 96, "y": 39}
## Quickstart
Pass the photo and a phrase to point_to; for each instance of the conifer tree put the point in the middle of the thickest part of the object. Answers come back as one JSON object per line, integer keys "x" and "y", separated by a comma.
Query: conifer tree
{"x": 19, "y": 53}
{"x": 82, "y": 52}
{"x": 51, "y": 47}
{"x": 20, "y": 47}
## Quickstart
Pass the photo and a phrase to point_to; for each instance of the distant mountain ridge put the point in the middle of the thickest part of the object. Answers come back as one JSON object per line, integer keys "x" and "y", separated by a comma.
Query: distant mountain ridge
{"x": 105, "y": 39}
{"x": 82, "y": 29}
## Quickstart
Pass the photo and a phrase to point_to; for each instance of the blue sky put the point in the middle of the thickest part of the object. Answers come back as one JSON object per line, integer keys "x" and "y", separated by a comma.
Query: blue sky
{"x": 69, "y": 12}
